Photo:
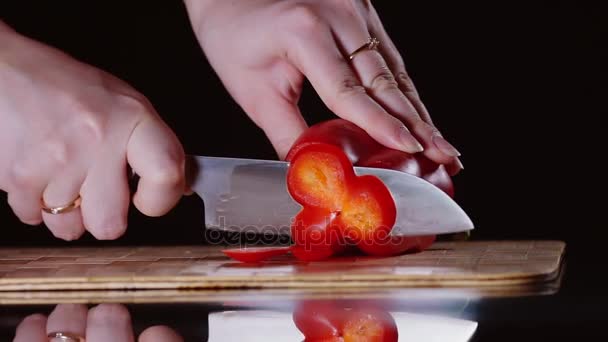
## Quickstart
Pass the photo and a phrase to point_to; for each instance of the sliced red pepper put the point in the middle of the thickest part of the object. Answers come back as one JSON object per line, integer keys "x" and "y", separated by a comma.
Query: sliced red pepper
{"x": 255, "y": 254}
{"x": 319, "y": 176}
{"x": 335, "y": 201}
{"x": 316, "y": 228}
{"x": 362, "y": 150}
{"x": 369, "y": 211}
{"x": 338, "y": 206}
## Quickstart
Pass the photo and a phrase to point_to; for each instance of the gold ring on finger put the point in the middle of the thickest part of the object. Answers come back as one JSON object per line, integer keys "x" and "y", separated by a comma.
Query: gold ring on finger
{"x": 63, "y": 336}
{"x": 61, "y": 209}
{"x": 371, "y": 44}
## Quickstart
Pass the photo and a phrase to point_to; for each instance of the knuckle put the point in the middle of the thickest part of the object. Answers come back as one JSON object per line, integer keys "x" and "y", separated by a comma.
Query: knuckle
{"x": 110, "y": 312}
{"x": 405, "y": 81}
{"x": 383, "y": 81}
{"x": 349, "y": 87}
{"x": 171, "y": 170}
{"x": 170, "y": 174}
{"x": 91, "y": 126}
{"x": 136, "y": 105}
{"x": 57, "y": 151}
{"x": 84, "y": 121}
{"x": 346, "y": 90}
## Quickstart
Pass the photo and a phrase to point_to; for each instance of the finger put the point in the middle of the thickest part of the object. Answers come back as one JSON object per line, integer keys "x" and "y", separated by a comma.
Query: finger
{"x": 68, "y": 318}
{"x": 159, "y": 334}
{"x": 378, "y": 79}
{"x": 157, "y": 156}
{"x": 61, "y": 191}
{"x": 314, "y": 52}
{"x": 454, "y": 167}
{"x": 109, "y": 322}
{"x": 437, "y": 148}
{"x": 31, "y": 329}
{"x": 26, "y": 205}
{"x": 280, "y": 120}
{"x": 105, "y": 198}
{"x": 26, "y": 183}
{"x": 396, "y": 64}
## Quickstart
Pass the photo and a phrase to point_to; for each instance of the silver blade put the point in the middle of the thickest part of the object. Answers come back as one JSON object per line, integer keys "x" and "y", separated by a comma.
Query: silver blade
{"x": 247, "y": 195}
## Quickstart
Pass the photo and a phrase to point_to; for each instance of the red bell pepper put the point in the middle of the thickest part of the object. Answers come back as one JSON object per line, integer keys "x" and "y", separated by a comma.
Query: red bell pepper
{"x": 363, "y": 150}
{"x": 255, "y": 254}
{"x": 336, "y": 203}
{"x": 339, "y": 207}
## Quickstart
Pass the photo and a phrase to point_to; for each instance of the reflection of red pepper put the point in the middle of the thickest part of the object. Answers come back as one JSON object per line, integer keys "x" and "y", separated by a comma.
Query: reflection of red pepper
{"x": 327, "y": 321}
{"x": 317, "y": 229}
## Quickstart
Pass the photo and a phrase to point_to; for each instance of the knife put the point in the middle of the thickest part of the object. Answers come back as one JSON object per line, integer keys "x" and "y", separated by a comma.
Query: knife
{"x": 250, "y": 196}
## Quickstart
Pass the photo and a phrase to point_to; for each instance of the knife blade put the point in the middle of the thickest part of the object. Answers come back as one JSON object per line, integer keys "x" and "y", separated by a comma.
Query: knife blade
{"x": 250, "y": 196}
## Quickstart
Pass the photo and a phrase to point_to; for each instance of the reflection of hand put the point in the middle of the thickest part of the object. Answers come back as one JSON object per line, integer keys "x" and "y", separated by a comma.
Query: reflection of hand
{"x": 263, "y": 49}
{"x": 103, "y": 323}
{"x": 67, "y": 130}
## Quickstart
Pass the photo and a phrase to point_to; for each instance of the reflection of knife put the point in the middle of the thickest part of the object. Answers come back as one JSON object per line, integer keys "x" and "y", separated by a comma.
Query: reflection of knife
{"x": 247, "y": 195}
{"x": 279, "y": 326}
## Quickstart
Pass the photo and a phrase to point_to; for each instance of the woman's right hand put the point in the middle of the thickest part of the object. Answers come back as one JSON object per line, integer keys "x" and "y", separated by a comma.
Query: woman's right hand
{"x": 67, "y": 130}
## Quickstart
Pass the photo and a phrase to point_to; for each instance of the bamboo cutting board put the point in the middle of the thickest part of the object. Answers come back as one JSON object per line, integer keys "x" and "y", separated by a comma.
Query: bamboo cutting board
{"x": 445, "y": 264}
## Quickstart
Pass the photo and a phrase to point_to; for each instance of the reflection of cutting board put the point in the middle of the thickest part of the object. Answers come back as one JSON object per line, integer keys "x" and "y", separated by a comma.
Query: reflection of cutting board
{"x": 447, "y": 264}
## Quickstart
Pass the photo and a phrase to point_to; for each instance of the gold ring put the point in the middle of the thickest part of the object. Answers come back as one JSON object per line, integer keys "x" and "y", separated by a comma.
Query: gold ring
{"x": 371, "y": 44}
{"x": 62, "y": 336}
{"x": 61, "y": 209}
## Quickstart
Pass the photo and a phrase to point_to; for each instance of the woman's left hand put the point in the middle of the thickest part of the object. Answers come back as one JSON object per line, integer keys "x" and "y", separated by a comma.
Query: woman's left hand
{"x": 264, "y": 49}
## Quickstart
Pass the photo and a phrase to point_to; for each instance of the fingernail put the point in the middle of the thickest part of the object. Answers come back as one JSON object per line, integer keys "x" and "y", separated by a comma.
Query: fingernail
{"x": 445, "y": 147}
{"x": 409, "y": 142}
{"x": 459, "y": 163}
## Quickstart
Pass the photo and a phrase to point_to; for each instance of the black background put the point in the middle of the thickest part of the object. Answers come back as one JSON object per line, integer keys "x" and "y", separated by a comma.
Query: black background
{"x": 519, "y": 89}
